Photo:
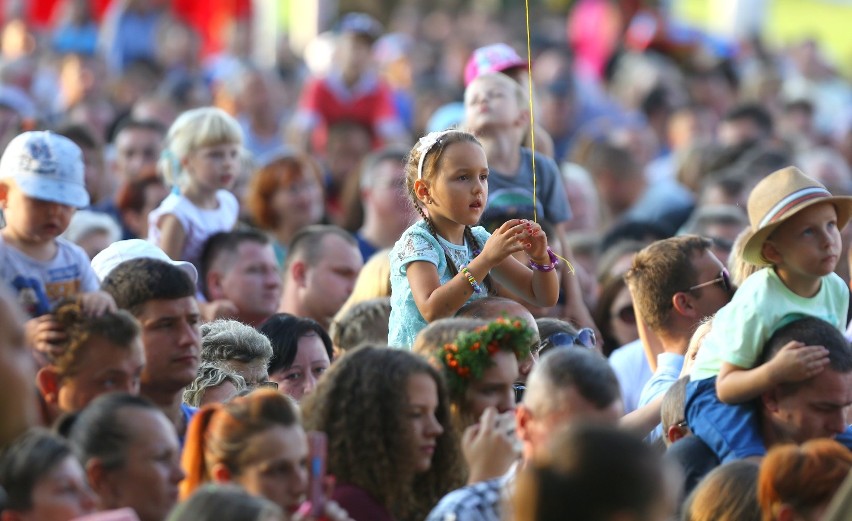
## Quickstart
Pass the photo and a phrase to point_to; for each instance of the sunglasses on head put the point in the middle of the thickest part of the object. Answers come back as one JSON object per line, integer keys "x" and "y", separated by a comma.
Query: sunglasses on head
{"x": 584, "y": 337}
{"x": 724, "y": 278}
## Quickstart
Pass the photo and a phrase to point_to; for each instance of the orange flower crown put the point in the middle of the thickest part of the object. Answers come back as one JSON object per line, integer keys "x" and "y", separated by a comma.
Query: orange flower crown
{"x": 471, "y": 354}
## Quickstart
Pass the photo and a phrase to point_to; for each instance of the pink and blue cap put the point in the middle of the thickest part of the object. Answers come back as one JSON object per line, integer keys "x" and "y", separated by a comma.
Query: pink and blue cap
{"x": 497, "y": 57}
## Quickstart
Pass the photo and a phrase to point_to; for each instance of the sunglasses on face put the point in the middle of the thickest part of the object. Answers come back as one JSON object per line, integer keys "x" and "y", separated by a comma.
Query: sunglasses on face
{"x": 584, "y": 337}
{"x": 724, "y": 278}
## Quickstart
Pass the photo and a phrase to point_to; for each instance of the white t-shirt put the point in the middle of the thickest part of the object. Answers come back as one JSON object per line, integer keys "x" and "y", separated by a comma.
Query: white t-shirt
{"x": 199, "y": 224}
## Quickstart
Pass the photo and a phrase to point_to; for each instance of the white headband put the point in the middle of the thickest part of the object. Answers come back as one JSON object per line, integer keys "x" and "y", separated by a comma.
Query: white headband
{"x": 425, "y": 144}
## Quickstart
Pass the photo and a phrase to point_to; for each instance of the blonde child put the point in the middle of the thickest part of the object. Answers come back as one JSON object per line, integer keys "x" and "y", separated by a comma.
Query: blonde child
{"x": 795, "y": 235}
{"x": 202, "y": 161}
{"x": 443, "y": 261}
{"x": 41, "y": 186}
{"x": 496, "y": 112}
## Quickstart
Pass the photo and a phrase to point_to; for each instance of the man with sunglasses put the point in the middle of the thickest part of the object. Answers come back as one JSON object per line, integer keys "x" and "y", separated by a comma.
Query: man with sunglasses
{"x": 795, "y": 237}
{"x": 675, "y": 283}
{"x": 788, "y": 412}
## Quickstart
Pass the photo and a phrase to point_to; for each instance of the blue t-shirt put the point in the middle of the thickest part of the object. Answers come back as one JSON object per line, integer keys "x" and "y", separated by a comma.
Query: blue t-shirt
{"x": 513, "y": 194}
{"x": 418, "y": 244}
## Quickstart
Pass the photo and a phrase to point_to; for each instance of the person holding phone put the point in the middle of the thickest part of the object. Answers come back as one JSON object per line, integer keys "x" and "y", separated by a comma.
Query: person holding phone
{"x": 391, "y": 445}
{"x": 257, "y": 443}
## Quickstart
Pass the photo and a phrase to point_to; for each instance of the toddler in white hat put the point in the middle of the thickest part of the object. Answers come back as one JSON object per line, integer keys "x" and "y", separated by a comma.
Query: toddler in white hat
{"x": 795, "y": 236}
{"x": 41, "y": 186}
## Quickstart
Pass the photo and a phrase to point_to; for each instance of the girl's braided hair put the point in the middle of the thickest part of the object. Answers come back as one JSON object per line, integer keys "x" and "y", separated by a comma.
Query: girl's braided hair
{"x": 430, "y": 166}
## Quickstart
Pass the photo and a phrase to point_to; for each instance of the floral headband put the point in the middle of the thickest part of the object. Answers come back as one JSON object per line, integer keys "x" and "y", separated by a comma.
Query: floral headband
{"x": 472, "y": 352}
{"x": 425, "y": 144}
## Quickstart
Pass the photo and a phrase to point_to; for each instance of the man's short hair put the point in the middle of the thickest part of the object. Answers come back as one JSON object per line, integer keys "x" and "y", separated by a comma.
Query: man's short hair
{"x": 484, "y": 307}
{"x": 811, "y": 331}
{"x": 371, "y": 163}
{"x": 133, "y": 283}
{"x": 307, "y": 243}
{"x": 753, "y": 112}
{"x": 129, "y": 123}
{"x": 80, "y": 135}
{"x": 221, "y": 243}
{"x": 226, "y": 340}
{"x": 559, "y": 369}
{"x": 660, "y": 270}
{"x": 364, "y": 322}
{"x": 673, "y": 408}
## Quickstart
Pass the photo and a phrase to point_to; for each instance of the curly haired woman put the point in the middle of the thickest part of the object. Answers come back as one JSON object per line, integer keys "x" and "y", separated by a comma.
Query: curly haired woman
{"x": 390, "y": 442}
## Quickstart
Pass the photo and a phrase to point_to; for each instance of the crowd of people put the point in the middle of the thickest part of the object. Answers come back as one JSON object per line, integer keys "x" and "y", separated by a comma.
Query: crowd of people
{"x": 408, "y": 274}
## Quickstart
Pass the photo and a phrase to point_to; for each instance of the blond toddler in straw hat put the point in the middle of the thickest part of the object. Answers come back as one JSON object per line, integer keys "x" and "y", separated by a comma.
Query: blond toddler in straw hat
{"x": 795, "y": 236}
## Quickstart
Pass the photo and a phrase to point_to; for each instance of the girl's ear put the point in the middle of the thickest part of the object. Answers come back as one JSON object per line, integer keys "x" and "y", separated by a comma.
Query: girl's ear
{"x": 4, "y": 194}
{"x": 421, "y": 190}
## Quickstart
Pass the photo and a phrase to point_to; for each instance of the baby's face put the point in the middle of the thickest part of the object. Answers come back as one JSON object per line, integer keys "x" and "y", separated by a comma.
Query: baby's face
{"x": 33, "y": 221}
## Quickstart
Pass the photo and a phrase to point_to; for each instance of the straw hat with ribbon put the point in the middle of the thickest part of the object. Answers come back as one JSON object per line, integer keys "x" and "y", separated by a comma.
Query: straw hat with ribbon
{"x": 781, "y": 195}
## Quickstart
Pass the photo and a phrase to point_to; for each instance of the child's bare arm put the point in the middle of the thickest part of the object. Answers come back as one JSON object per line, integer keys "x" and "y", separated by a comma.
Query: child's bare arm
{"x": 793, "y": 363}
{"x": 172, "y": 236}
{"x": 96, "y": 303}
{"x": 434, "y": 300}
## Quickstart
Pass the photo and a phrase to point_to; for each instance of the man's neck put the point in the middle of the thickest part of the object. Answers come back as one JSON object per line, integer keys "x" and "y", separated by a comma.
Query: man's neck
{"x": 381, "y": 235}
{"x": 674, "y": 341}
{"x": 169, "y": 403}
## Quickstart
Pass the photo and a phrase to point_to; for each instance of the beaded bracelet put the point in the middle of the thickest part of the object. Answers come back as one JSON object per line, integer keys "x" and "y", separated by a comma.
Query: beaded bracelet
{"x": 554, "y": 261}
{"x": 475, "y": 285}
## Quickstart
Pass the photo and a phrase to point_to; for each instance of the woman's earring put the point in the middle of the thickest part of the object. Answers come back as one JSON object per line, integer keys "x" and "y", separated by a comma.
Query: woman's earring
{"x": 429, "y": 201}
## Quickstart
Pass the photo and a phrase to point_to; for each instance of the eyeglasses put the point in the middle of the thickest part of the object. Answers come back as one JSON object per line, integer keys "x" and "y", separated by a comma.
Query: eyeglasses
{"x": 584, "y": 337}
{"x": 626, "y": 314}
{"x": 724, "y": 277}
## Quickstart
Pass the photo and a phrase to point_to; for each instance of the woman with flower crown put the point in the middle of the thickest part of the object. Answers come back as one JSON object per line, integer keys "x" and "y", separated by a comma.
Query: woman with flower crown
{"x": 480, "y": 366}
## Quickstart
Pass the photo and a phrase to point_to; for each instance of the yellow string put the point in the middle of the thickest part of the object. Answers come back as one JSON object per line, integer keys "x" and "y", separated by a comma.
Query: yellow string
{"x": 532, "y": 125}
{"x": 532, "y": 116}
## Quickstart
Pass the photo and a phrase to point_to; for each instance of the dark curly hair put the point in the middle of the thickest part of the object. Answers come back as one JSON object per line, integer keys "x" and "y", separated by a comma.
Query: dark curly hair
{"x": 361, "y": 405}
{"x": 118, "y": 327}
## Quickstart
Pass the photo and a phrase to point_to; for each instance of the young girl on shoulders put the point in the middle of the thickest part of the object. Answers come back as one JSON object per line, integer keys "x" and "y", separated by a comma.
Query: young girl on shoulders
{"x": 443, "y": 261}
{"x": 201, "y": 160}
